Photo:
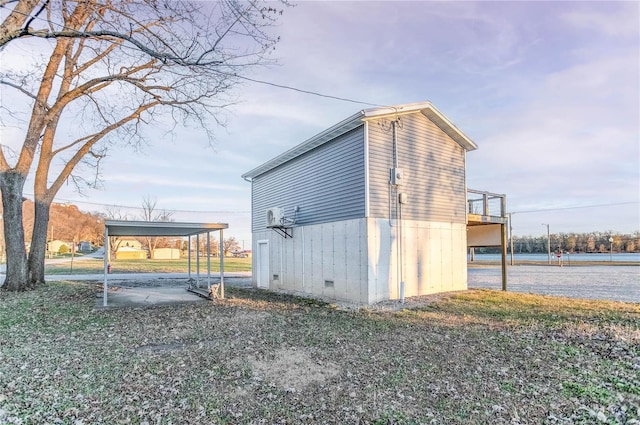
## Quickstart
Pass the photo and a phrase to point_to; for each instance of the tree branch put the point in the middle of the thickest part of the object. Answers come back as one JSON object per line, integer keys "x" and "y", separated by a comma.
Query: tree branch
{"x": 71, "y": 164}
{"x": 164, "y": 57}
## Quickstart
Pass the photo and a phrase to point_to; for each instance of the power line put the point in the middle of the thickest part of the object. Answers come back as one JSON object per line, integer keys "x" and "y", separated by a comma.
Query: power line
{"x": 71, "y": 201}
{"x": 281, "y": 86}
{"x": 576, "y": 207}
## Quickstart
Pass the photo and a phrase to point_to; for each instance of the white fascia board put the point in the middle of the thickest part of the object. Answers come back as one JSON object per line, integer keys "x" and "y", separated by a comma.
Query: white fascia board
{"x": 439, "y": 119}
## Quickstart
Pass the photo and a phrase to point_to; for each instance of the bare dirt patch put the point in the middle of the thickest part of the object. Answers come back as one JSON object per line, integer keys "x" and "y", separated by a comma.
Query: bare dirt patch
{"x": 293, "y": 369}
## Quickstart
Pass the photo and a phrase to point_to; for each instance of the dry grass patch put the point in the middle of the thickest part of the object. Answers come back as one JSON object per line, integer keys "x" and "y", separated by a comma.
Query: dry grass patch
{"x": 478, "y": 357}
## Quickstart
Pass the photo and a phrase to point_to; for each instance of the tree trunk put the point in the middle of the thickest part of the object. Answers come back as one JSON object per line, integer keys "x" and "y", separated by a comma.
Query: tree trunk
{"x": 16, "y": 278}
{"x": 39, "y": 242}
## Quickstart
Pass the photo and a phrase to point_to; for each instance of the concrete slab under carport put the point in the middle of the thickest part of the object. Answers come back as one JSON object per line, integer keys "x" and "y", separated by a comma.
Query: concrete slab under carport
{"x": 156, "y": 228}
{"x": 120, "y": 297}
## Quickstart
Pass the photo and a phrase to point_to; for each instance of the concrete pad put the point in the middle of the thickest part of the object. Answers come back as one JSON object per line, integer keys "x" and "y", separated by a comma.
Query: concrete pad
{"x": 147, "y": 296}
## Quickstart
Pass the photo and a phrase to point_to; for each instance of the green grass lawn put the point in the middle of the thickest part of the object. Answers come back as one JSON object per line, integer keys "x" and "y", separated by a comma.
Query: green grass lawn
{"x": 475, "y": 357}
{"x": 88, "y": 266}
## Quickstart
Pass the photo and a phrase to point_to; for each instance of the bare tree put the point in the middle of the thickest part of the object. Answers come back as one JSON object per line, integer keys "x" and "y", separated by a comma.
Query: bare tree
{"x": 230, "y": 245}
{"x": 112, "y": 68}
{"x": 151, "y": 213}
{"x": 17, "y": 23}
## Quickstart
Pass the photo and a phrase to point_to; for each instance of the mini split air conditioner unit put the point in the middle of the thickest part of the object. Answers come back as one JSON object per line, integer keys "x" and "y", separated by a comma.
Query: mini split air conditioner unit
{"x": 275, "y": 217}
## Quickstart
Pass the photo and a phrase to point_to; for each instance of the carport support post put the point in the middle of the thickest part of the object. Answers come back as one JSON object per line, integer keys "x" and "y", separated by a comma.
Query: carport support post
{"x": 107, "y": 251}
{"x": 198, "y": 260}
{"x": 208, "y": 261}
{"x": 189, "y": 258}
{"x": 221, "y": 264}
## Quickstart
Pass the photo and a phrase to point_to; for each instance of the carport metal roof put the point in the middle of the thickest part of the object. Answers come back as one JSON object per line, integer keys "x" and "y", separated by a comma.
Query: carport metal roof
{"x": 159, "y": 228}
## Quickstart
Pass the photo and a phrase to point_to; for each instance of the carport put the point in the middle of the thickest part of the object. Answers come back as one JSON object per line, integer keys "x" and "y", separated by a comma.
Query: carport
{"x": 168, "y": 229}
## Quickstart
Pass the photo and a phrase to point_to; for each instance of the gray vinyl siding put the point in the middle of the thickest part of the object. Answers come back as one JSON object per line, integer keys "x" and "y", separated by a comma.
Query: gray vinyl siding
{"x": 326, "y": 183}
{"x": 434, "y": 172}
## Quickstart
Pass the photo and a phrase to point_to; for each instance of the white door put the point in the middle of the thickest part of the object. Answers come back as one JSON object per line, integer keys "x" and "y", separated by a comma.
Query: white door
{"x": 263, "y": 264}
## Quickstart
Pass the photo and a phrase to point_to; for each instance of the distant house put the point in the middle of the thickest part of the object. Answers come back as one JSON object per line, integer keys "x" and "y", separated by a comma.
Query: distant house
{"x": 371, "y": 209}
{"x": 166, "y": 254}
{"x": 129, "y": 253}
{"x": 84, "y": 246}
{"x": 54, "y": 246}
{"x": 128, "y": 242}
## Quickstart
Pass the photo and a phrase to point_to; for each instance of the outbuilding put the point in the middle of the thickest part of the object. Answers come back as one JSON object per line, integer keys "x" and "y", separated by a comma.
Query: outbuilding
{"x": 371, "y": 209}
{"x": 120, "y": 228}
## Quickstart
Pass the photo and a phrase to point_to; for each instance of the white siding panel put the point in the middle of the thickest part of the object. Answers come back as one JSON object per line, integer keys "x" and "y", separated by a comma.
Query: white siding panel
{"x": 317, "y": 275}
{"x": 340, "y": 257}
{"x": 328, "y": 236}
{"x": 307, "y": 277}
{"x": 288, "y": 271}
{"x": 365, "y": 275}
{"x": 329, "y": 251}
{"x": 434, "y": 259}
{"x": 410, "y": 260}
{"x": 298, "y": 260}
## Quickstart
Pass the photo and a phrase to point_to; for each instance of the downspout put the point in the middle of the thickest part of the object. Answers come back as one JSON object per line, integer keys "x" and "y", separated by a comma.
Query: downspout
{"x": 398, "y": 212}
{"x": 366, "y": 171}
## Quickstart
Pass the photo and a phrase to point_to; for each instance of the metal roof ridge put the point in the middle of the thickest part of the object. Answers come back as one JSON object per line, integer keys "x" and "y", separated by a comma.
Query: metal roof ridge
{"x": 363, "y": 115}
{"x": 403, "y": 108}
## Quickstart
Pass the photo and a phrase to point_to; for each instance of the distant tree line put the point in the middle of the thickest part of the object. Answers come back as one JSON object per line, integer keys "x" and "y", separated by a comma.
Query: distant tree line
{"x": 591, "y": 242}
{"x": 67, "y": 223}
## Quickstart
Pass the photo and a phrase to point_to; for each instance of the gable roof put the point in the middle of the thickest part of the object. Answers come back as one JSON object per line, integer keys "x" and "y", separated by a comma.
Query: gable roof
{"x": 356, "y": 120}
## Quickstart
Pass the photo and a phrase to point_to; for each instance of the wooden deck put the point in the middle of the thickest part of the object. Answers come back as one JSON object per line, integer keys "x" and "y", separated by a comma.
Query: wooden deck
{"x": 478, "y": 219}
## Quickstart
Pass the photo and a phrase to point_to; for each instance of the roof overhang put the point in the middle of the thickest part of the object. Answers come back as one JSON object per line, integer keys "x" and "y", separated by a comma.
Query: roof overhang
{"x": 356, "y": 120}
{"x": 159, "y": 228}
{"x": 428, "y": 110}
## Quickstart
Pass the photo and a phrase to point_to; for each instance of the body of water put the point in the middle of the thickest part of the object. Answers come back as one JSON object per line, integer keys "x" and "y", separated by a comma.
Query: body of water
{"x": 615, "y": 283}
{"x": 621, "y": 257}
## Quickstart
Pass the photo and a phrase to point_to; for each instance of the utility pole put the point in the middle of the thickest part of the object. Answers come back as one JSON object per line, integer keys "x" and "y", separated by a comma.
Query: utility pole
{"x": 610, "y": 249}
{"x": 548, "y": 244}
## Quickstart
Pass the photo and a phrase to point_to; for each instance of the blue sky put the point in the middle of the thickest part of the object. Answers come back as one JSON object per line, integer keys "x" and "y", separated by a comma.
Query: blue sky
{"x": 548, "y": 90}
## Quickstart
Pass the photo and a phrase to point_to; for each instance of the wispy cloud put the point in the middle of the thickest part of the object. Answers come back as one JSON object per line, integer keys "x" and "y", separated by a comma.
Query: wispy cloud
{"x": 618, "y": 19}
